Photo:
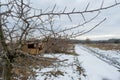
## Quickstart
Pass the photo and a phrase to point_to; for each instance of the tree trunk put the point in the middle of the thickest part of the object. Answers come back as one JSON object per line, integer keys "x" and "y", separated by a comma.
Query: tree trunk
{"x": 7, "y": 66}
{"x": 7, "y": 69}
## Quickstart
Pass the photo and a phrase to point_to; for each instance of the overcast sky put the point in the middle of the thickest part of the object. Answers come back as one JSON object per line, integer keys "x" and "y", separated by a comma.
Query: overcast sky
{"x": 109, "y": 29}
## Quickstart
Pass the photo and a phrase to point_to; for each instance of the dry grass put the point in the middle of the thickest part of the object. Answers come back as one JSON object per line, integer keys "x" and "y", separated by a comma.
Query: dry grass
{"x": 105, "y": 46}
{"x": 25, "y": 67}
{"x": 53, "y": 73}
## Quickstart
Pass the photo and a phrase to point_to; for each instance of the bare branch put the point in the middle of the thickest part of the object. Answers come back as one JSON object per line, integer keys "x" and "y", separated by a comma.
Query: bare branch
{"x": 81, "y": 33}
{"x": 76, "y": 12}
{"x": 69, "y": 17}
{"x": 54, "y": 8}
{"x": 87, "y": 6}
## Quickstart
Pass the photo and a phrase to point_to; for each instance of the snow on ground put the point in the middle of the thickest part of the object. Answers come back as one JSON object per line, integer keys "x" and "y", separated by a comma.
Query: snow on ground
{"x": 110, "y": 56}
{"x": 113, "y": 54}
{"x": 95, "y": 69}
{"x": 68, "y": 68}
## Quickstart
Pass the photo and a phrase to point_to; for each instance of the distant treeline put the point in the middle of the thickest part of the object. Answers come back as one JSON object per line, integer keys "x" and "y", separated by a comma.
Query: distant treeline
{"x": 96, "y": 41}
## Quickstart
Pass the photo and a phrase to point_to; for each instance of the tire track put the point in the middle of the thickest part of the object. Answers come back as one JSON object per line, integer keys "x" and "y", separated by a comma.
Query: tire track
{"x": 102, "y": 57}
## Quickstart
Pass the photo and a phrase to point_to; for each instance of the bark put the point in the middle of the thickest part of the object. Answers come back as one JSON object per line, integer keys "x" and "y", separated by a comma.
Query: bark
{"x": 7, "y": 75}
{"x": 7, "y": 66}
{"x": 2, "y": 39}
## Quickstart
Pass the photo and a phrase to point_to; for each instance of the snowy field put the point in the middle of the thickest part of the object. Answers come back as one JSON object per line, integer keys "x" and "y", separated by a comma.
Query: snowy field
{"x": 112, "y": 57}
{"x": 86, "y": 66}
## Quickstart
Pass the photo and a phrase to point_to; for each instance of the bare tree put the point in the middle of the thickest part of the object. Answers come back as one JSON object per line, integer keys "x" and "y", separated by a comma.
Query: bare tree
{"x": 19, "y": 22}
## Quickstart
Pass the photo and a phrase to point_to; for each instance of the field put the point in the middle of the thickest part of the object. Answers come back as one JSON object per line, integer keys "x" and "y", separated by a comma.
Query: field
{"x": 89, "y": 64}
{"x": 105, "y": 46}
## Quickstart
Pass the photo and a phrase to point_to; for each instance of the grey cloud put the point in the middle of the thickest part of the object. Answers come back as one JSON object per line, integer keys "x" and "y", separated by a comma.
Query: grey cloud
{"x": 111, "y": 26}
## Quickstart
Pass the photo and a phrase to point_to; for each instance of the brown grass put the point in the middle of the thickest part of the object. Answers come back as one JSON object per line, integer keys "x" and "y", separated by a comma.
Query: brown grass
{"x": 53, "y": 73}
{"x": 24, "y": 66}
{"x": 105, "y": 46}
